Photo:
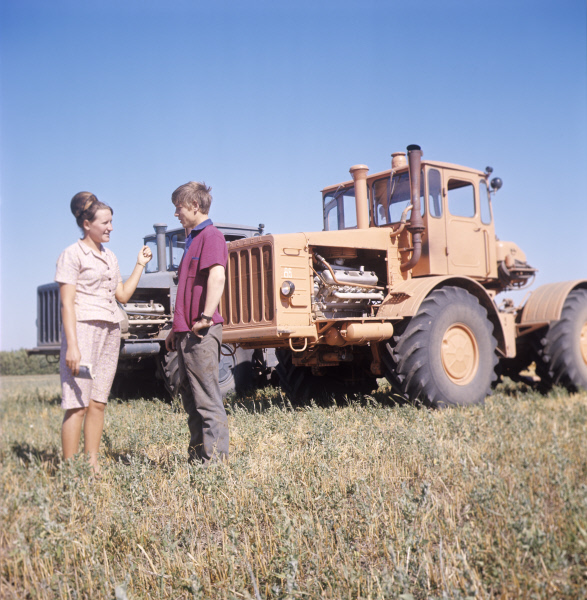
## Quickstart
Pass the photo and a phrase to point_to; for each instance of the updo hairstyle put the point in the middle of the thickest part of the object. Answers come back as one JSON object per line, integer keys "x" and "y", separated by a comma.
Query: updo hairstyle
{"x": 84, "y": 206}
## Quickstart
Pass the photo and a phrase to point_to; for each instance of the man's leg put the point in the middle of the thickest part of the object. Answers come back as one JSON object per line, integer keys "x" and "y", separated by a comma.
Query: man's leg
{"x": 200, "y": 359}
{"x": 189, "y": 404}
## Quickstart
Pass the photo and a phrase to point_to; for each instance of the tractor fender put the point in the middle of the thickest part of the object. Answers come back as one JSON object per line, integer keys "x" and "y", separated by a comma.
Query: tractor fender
{"x": 546, "y": 302}
{"x": 405, "y": 299}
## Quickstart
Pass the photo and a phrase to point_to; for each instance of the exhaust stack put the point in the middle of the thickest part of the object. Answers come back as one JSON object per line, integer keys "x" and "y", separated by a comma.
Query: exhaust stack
{"x": 359, "y": 174}
{"x": 160, "y": 229}
{"x": 416, "y": 226}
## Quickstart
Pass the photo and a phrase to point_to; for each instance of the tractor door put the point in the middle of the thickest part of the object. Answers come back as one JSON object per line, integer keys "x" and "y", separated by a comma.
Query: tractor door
{"x": 434, "y": 259}
{"x": 468, "y": 238}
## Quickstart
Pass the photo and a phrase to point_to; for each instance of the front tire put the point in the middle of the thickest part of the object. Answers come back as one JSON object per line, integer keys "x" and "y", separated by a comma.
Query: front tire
{"x": 562, "y": 359}
{"x": 446, "y": 355}
{"x": 301, "y": 385}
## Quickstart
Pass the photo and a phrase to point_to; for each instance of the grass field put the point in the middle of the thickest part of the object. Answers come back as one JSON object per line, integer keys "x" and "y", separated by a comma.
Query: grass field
{"x": 364, "y": 500}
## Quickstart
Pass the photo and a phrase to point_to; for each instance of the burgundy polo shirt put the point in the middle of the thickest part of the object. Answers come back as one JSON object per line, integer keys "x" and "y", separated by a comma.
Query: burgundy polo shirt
{"x": 208, "y": 248}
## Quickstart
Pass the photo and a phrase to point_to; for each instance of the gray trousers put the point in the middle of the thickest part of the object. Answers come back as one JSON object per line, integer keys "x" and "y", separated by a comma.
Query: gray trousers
{"x": 198, "y": 360}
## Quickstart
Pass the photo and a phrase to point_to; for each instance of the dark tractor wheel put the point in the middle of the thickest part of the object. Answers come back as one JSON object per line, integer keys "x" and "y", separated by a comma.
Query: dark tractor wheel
{"x": 446, "y": 355}
{"x": 301, "y": 385}
{"x": 562, "y": 354}
{"x": 298, "y": 383}
{"x": 168, "y": 369}
{"x": 235, "y": 369}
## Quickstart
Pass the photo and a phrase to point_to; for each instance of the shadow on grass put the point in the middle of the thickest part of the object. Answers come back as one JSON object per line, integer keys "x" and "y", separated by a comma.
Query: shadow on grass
{"x": 53, "y": 399}
{"x": 522, "y": 385}
{"x": 31, "y": 456}
{"x": 267, "y": 399}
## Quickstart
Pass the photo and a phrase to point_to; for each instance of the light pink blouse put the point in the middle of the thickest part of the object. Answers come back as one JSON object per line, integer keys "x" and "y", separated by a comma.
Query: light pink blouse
{"x": 95, "y": 276}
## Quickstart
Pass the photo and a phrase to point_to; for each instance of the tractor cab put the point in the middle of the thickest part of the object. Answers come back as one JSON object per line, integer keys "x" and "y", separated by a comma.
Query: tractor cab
{"x": 455, "y": 205}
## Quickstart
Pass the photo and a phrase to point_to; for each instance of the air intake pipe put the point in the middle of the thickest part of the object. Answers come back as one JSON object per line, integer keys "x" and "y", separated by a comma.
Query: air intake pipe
{"x": 416, "y": 226}
{"x": 160, "y": 229}
{"x": 359, "y": 173}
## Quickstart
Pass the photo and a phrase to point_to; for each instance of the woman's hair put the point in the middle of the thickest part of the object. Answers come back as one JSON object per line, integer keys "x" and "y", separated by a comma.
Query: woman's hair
{"x": 84, "y": 206}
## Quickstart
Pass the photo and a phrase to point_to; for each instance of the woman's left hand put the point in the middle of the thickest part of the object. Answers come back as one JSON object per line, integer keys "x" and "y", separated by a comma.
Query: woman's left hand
{"x": 145, "y": 255}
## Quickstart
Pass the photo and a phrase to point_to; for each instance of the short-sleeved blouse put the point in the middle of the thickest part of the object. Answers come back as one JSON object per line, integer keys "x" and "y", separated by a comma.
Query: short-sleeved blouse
{"x": 95, "y": 276}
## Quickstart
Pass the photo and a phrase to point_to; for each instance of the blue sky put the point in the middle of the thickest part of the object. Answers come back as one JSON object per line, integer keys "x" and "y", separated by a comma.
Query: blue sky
{"x": 268, "y": 102}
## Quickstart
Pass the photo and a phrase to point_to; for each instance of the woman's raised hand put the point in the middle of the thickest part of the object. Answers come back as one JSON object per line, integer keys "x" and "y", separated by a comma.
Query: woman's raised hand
{"x": 145, "y": 255}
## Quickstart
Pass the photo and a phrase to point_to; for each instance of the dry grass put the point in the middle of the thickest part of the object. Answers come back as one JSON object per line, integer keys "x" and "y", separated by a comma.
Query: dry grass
{"x": 367, "y": 500}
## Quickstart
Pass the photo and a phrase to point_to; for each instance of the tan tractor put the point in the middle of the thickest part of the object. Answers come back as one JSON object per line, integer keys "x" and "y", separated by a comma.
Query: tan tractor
{"x": 402, "y": 284}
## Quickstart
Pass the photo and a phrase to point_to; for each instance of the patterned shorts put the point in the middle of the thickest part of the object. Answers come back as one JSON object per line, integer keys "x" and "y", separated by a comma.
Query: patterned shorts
{"x": 99, "y": 345}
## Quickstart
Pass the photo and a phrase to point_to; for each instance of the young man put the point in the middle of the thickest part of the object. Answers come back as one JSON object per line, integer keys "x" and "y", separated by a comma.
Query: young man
{"x": 197, "y": 324}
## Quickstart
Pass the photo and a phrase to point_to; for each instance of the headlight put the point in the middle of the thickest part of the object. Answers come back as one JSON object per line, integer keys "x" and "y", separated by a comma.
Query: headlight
{"x": 287, "y": 288}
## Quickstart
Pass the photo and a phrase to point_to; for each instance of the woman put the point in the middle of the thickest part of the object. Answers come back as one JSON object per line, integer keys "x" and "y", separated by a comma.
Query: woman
{"x": 90, "y": 283}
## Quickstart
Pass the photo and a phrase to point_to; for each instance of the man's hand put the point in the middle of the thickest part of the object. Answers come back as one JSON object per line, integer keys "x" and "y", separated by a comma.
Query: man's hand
{"x": 199, "y": 325}
{"x": 170, "y": 341}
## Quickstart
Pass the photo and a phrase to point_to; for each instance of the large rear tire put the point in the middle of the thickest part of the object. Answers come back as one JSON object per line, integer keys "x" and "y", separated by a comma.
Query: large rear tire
{"x": 562, "y": 357}
{"x": 446, "y": 355}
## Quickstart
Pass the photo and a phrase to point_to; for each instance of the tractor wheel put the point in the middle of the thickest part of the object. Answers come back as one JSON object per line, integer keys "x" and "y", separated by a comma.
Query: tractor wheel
{"x": 298, "y": 383}
{"x": 301, "y": 385}
{"x": 562, "y": 354}
{"x": 235, "y": 370}
{"x": 168, "y": 370}
{"x": 446, "y": 355}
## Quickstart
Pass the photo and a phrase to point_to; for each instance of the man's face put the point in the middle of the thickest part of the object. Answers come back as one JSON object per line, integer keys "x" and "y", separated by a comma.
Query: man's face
{"x": 187, "y": 216}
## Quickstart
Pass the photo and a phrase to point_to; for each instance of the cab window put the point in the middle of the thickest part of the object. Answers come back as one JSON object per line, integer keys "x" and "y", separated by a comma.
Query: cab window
{"x": 461, "y": 198}
{"x": 176, "y": 249}
{"x": 153, "y": 264}
{"x": 389, "y": 198}
{"x": 340, "y": 210}
{"x": 434, "y": 193}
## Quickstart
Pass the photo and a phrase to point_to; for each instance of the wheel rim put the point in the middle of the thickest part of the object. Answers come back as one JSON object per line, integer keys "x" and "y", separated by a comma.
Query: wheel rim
{"x": 584, "y": 342}
{"x": 460, "y": 354}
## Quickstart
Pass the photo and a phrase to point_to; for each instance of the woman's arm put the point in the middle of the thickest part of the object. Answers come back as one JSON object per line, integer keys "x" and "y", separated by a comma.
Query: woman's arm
{"x": 125, "y": 290}
{"x": 73, "y": 355}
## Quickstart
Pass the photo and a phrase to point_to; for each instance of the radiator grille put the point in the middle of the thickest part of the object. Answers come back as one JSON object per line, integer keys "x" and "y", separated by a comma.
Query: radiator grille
{"x": 249, "y": 291}
{"x": 48, "y": 316}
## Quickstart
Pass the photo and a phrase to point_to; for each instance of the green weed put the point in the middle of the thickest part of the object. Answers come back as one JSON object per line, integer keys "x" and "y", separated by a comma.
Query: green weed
{"x": 362, "y": 500}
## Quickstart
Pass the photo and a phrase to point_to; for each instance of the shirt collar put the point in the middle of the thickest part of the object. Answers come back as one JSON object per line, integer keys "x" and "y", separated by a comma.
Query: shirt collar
{"x": 86, "y": 249}
{"x": 194, "y": 232}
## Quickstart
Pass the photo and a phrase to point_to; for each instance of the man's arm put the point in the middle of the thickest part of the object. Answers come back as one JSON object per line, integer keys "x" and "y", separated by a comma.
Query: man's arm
{"x": 214, "y": 290}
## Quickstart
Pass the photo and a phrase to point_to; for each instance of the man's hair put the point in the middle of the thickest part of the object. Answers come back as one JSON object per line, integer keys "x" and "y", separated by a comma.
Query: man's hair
{"x": 192, "y": 193}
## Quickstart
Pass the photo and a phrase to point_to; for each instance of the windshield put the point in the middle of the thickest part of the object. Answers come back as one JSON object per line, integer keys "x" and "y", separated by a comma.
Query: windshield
{"x": 340, "y": 210}
{"x": 389, "y": 201}
{"x": 176, "y": 247}
{"x": 153, "y": 264}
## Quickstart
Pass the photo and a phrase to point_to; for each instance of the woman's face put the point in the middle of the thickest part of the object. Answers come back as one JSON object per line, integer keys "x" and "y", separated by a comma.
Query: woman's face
{"x": 99, "y": 229}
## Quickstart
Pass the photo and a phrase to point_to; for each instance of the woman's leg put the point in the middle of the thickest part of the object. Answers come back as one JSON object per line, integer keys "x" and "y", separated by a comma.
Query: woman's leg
{"x": 93, "y": 428}
{"x": 71, "y": 431}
